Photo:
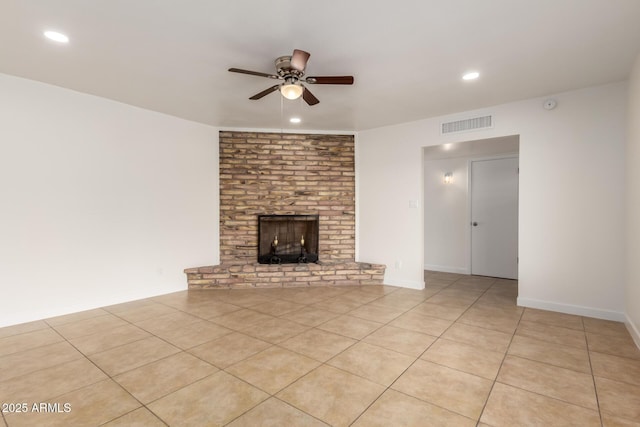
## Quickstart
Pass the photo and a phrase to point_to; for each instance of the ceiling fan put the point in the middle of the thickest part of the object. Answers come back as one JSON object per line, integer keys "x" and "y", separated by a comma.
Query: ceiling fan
{"x": 291, "y": 70}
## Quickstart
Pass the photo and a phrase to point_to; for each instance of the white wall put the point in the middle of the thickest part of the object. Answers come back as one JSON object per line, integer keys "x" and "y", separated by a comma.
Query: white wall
{"x": 632, "y": 296}
{"x": 100, "y": 202}
{"x": 446, "y": 216}
{"x": 571, "y": 231}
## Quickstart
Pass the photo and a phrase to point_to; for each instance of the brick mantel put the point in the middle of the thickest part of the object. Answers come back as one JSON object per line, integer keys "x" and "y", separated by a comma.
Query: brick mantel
{"x": 283, "y": 174}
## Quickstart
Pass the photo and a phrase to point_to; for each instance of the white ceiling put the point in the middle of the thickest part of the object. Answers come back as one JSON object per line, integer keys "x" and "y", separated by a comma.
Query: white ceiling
{"x": 407, "y": 56}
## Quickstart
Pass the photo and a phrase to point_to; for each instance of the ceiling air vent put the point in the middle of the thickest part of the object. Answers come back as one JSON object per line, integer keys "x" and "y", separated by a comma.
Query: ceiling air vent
{"x": 483, "y": 122}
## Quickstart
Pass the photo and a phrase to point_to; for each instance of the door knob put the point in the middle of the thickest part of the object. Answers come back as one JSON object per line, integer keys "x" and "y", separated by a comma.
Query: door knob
{"x": 475, "y": 224}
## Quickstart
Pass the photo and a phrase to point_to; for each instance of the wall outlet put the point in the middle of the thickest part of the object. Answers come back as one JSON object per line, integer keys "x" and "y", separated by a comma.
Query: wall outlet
{"x": 398, "y": 264}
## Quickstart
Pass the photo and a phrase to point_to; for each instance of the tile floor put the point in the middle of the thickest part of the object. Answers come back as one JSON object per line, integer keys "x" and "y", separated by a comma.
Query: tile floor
{"x": 458, "y": 353}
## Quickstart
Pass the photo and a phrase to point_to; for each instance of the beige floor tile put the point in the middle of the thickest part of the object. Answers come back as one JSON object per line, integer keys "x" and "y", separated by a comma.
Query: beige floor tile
{"x": 490, "y": 319}
{"x": 332, "y": 395}
{"x": 244, "y": 299}
{"x": 22, "y": 328}
{"x": 356, "y": 295}
{"x": 605, "y": 327}
{"x": 401, "y": 340}
{"x": 318, "y": 344}
{"x": 397, "y": 409}
{"x": 376, "y": 313}
{"x": 144, "y": 312}
{"x": 194, "y": 334}
{"x": 465, "y": 357}
{"x": 616, "y": 368}
{"x": 45, "y": 384}
{"x": 167, "y": 322}
{"x": 24, "y": 362}
{"x": 553, "y": 354}
{"x": 497, "y": 299}
{"x": 241, "y": 319}
{"x": 275, "y": 330}
{"x": 273, "y": 369}
{"x": 28, "y": 340}
{"x": 415, "y": 321}
{"x": 212, "y": 401}
{"x": 126, "y": 306}
{"x": 509, "y": 406}
{"x": 74, "y": 317}
{"x": 276, "y": 413}
{"x": 454, "y": 298}
{"x": 616, "y": 345}
{"x": 350, "y": 326}
{"x": 89, "y": 406}
{"x": 374, "y": 363}
{"x": 209, "y": 309}
{"x": 551, "y": 381}
{"x": 448, "y": 388}
{"x": 229, "y": 349}
{"x": 472, "y": 285}
{"x": 416, "y": 293}
{"x": 95, "y": 343}
{"x": 552, "y": 334}
{"x": 277, "y": 307}
{"x": 553, "y": 318}
{"x": 439, "y": 311}
{"x": 380, "y": 289}
{"x": 337, "y": 305}
{"x": 401, "y": 301}
{"x": 310, "y": 316}
{"x": 159, "y": 378}
{"x": 611, "y": 421}
{"x": 619, "y": 399}
{"x": 141, "y": 417}
{"x": 133, "y": 355}
{"x": 92, "y": 325}
{"x": 482, "y": 338}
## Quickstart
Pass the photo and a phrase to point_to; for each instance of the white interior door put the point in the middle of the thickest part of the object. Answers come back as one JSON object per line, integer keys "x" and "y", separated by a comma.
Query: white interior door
{"x": 494, "y": 217}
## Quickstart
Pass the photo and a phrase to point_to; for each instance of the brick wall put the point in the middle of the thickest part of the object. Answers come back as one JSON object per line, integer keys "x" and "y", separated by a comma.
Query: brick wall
{"x": 286, "y": 174}
{"x": 270, "y": 173}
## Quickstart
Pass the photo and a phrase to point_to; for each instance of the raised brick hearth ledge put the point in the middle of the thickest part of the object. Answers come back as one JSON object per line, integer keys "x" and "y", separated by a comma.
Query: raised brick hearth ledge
{"x": 330, "y": 273}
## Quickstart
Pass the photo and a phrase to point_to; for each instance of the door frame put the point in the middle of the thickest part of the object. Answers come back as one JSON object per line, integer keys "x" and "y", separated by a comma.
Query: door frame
{"x": 470, "y": 207}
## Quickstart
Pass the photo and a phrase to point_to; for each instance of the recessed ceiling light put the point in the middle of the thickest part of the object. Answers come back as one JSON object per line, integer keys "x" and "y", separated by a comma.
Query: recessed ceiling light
{"x": 56, "y": 36}
{"x": 471, "y": 75}
{"x": 295, "y": 120}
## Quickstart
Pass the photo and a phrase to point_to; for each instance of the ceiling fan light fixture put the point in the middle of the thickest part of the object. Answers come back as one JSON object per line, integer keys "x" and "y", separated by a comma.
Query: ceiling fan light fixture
{"x": 472, "y": 75}
{"x": 56, "y": 36}
{"x": 291, "y": 91}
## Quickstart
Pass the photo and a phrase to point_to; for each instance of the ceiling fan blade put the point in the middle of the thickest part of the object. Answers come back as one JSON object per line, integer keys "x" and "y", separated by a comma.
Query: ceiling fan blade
{"x": 299, "y": 59}
{"x": 309, "y": 98}
{"x": 253, "y": 73}
{"x": 330, "y": 80}
{"x": 265, "y": 92}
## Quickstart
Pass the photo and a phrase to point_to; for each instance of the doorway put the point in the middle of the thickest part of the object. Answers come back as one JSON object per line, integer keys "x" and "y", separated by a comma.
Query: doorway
{"x": 447, "y": 202}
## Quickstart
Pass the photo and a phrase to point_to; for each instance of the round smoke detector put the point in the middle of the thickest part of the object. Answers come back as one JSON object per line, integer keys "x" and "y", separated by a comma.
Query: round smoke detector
{"x": 550, "y": 104}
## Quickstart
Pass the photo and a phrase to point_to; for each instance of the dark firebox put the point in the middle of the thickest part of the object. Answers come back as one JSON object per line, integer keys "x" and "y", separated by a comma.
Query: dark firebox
{"x": 284, "y": 239}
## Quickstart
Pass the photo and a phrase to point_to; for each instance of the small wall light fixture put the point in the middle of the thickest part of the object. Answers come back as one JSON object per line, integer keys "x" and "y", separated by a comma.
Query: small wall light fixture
{"x": 448, "y": 177}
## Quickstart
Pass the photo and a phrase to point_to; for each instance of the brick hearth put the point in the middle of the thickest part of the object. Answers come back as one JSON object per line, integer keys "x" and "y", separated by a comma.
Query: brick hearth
{"x": 283, "y": 174}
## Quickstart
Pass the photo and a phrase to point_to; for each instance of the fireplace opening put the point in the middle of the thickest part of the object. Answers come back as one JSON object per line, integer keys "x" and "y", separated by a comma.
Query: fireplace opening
{"x": 286, "y": 239}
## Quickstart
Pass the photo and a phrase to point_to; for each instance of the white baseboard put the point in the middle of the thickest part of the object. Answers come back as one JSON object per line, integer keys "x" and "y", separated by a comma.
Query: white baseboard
{"x": 633, "y": 329}
{"x": 447, "y": 269}
{"x": 572, "y": 309}
{"x": 411, "y": 284}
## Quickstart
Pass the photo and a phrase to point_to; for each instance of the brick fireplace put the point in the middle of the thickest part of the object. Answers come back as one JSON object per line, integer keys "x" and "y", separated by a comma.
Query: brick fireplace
{"x": 286, "y": 174}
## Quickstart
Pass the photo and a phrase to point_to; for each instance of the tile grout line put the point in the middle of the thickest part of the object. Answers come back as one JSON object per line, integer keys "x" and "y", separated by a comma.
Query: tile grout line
{"x": 493, "y": 383}
{"x": 593, "y": 377}
{"x": 389, "y": 387}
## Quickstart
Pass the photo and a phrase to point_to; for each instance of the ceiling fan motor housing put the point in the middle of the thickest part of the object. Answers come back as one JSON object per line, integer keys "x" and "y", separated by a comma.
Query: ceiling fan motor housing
{"x": 283, "y": 65}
